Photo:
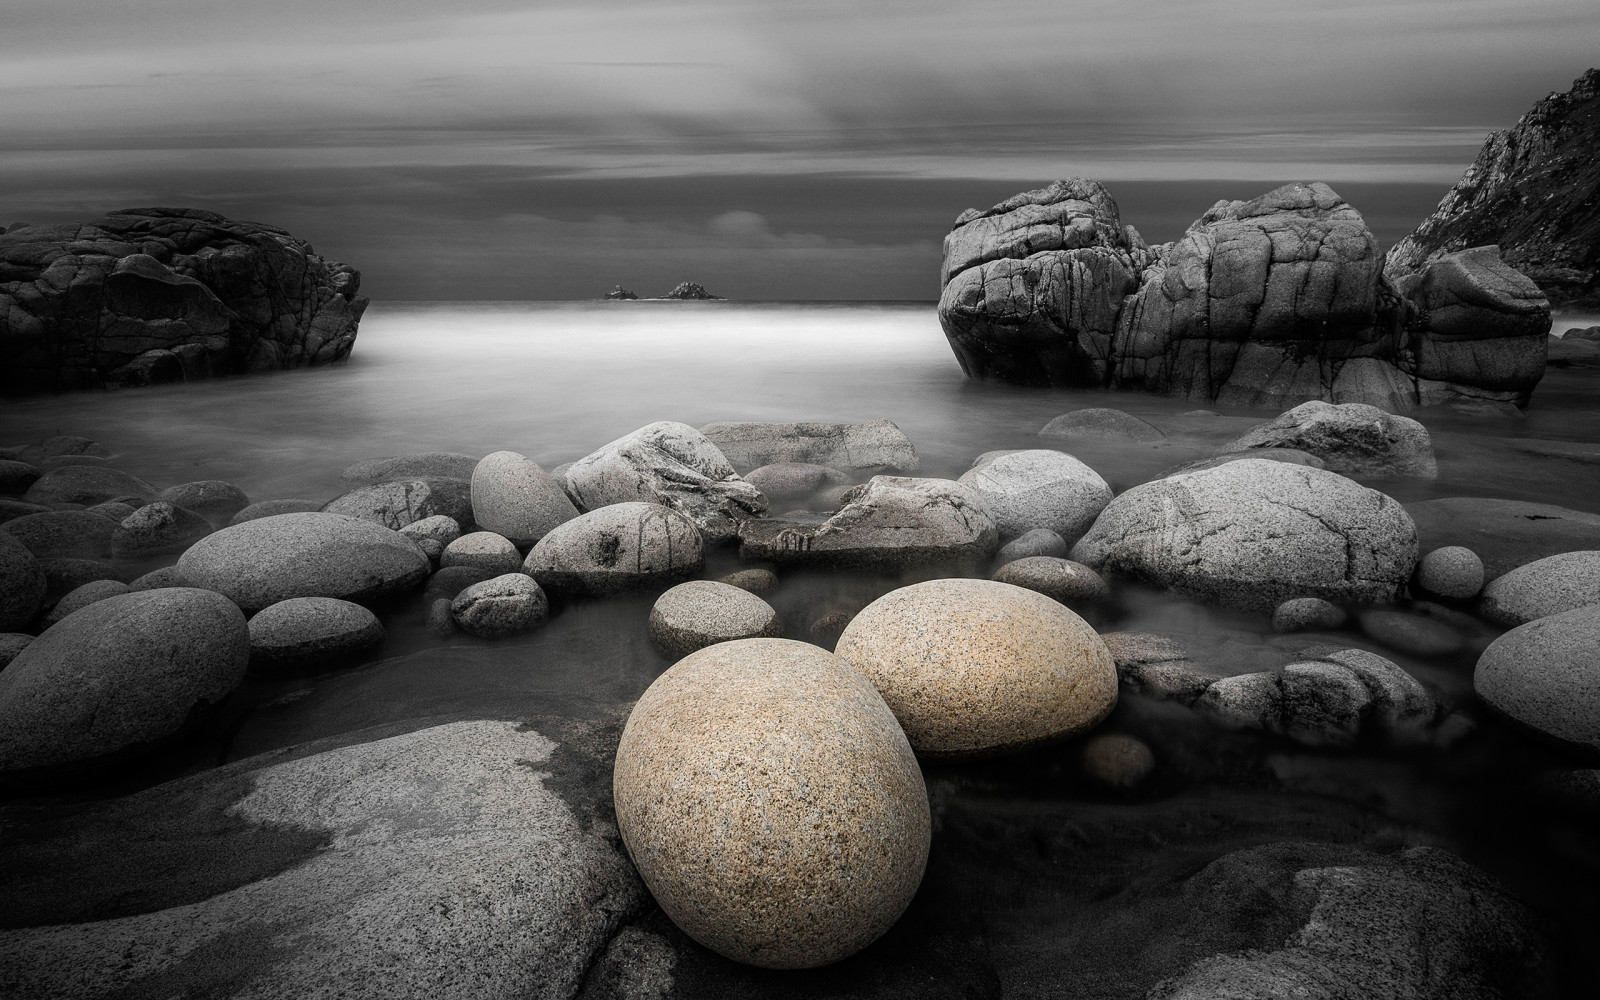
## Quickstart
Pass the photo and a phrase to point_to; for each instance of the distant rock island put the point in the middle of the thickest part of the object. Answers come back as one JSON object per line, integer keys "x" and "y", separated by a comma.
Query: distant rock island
{"x": 686, "y": 291}
{"x": 148, "y": 295}
{"x": 1534, "y": 191}
{"x": 619, "y": 294}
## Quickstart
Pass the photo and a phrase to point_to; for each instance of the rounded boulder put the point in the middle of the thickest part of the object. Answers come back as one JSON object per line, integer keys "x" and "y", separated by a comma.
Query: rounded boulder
{"x": 617, "y": 548}
{"x": 311, "y": 633}
{"x": 212, "y": 499}
{"x": 22, "y": 584}
{"x": 1452, "y": 571}
{"x": 513, "y": 496}
{"x": 484, "y": 549}
{"x": 771, "y": 803}
{"x": 1546, "y": 675}
{"x": 1060, "y": 579}
{"x": 1039, "y": 488}
{"x": 501, "y": 606}
{"x": 1543, "y": 587}
{"x": 702, "y": 613}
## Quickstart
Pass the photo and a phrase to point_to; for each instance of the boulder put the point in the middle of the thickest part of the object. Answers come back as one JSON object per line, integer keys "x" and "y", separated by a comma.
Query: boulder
{"x": 874, "y": 444}
{"x": 212, "y": 499}
{"x": 311, "y": 633}
{"x": 10, "y": 510}
{"x": 118, "y": 675}
{"x": 1060, "y": 579}
{"x": 1292, "y": 456}
{"x": 1350, "y": 438}
{"x": 674, "y": 465}
{"x": 1332, "y": 701}
{"x": 1451, "y": 571}
{"x": 261, "y": 562}
{"x": 115, "y": 511}
{"x": 701, "y": 613}
{"x": 88, "y": 302}
{"x": 440, "y": 529}
{"x": 756, "y": 581}
{"x": 11, "y": 646}
{"x": 166, "y": 576}
{"x": 1546, "y": 586}
{"x": 501, "y": 606}
{"x": 82, "y": 597}
{"x": 272, "y": 508}
{"x": 512, "y": 495}
{"x": 60, "y": 446}
{"x": 1415, "y": 635}
{"x": 157, "y": 528}
{"x": 427, "y": 465}
{"x": 691, "y": 290}
{"x": 889, "y": 523}
{"x": 399, "y": 503}
{"x": 1039, "y": 488}
{"x": 1156, "y": 666}
{"x": 1117, "y": 761}
{"x": 1307, "y": 614}
{"x": 86, "y": 484}
{"x": 1034, "y": 542}
{"x": 62, "y": 576}
{"x": 1546, "y": 675}
{"x": 794, "y": 479}
{"x": 449, "y": 581}
{"x": 1095, "y": 423}
{"x": 973, "y": 668}
{"x": 1252, "y": 534}
{"x": 63, "y": 534}
{"x": 22, "y": 584}
{"x": 484, "y": 549}
{"x": 765, "y": 776}
{"x": 1505, "y": 534}
{"x": 16, "y": 477}
{"x": 615, "y": 548}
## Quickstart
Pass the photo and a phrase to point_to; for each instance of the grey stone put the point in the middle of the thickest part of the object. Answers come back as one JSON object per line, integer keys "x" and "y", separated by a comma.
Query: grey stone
{"x": 86, "y": 485}
{"x": 430, "y": 464}
{"x": 63, "y": 534}
{"x": 501, "y": 606}
{"x": 156, "y": 579}
{"x": 440, "y": 623}
{"x": 1117, "y": 761}
{"x": 615, "y": 548}
{"x": 1156, "y": 666}
{"x": 1292, "y": 456}
{"x": 1039, "y": 488}
{"x": 448, "y": 581}
{"x": 61, "y": 445}
{"x": 1546, "y": 586}
{"x": 1307, "y": 614}
{"x": 158, "y": 528}
{"x": 1413, "y": 634}
{"x": 1401, "y": 707}
{"x": 1451, "y": 571}
{"x": 311, "y": 633}
{"x": 212, "y": 499}
{"x": 1095, "y": 423}
{"x": 1350, "y": 438}
{"x": 61, "y": 576}
{"x": 1060, "y": 579}
{"x": 484, "y": 549}
{"x": 701, "y": 613}
{"x": 82, "y": 597}
{"x": 22, "y": 584}
{"x": 512, "y": 496}
{"x": 756, "y": 581}
{"x": 875, "y": 444}
{"x": 16, "y": 477}
{"x": 399, "y": 503}
{"x": 1505, "y": 534}
{"x": 272, "y": 508}
{"x": 794, "y": 479}
{"x": 11, "y": 646}
{"x": 1546, "y": 675}
{"x": 113, "y": 510}
{"x": 10, "y": 510}
{"x": 1034, "y": 542}
{"x": 1243, "y": 701}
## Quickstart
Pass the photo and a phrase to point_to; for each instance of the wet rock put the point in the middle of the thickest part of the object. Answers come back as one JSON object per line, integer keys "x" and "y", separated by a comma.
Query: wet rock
{"x": 62, "y": 576}
{"x": 1350, "y": 438}
{"x": 1332, "y": 701}
{"x": 828, "y": 844}
{"x": 272, "y": 508}
{"x": 426, "y": 465}
{"x": 1546, "y": 675}
{"x": 484, "y": 549}
{"x": 156, "y": 579}
{"x": 119, "y": 674}
{"x": 63, "y": 534}
{"x": 502, "y": 606}
{"x": 311, "y": 633}
{"x": 691, "y": 290}
{"x": 1546, "y": 586}
{"x": 1035, "y": 542}
{"x": 615, "y": 548}
{"x": 156, "y": 529}
{"x": 11, "y": 646}
{"x": 973, "y": 668}
{"x": 889, "y": 523}
{"x": 1413, "y": 634}
{"x": 514, "y": 497}
{"x": 449, "y": 581}
{"x": 86, "y": 485}
{"x": 827, "y": 628}
{"x": 1252, "y": 534}
{"x": 674, "y": 465}
{"x": 1451, "y": 571}
{"x": 875, "y": 444}
{"x": 1307, "y": 614}
{"x": 212, "y": 499}
{"x": 1156, "y": 666}
{"x": 1102, "y": 424}
{"x": 1039, "y": 488}
{"x": 433, "y": 534}
{"x": 1117, "y": 761}
{"x": 16, "y": 477}
{"x": 756, "y": 581}
{"x": 1060, "y": 579}
{"x": 261, "y": 562}
{"x": 794, "y": 479}
{"x": 82, "y": 597}
{"x": 701, "y": 613}
{"x": 1505, "y": 534}
{"x": 22, "y": 584}
{"x": 440, "y": 623}
{"x": 399, "y": 503}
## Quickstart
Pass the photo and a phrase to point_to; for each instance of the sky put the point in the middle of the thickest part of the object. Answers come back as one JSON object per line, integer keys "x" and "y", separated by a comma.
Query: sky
{"x": 769, "y": 150}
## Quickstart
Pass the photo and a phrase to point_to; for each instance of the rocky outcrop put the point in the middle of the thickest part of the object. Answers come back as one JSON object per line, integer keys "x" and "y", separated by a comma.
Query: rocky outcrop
{"x": 692, "y": 290}
{"x": 165, "y": 294}
{"x": 1268, "y": 302}
{"x": 1534, "y": 192}
{"x": 618, "y": 294}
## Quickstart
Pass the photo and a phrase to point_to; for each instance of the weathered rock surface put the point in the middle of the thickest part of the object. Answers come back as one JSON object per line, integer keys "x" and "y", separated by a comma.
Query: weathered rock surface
{"x": 1059, "y": 579}
{"x": 86, "y": 484}
{"x": 81, "y": 597}
{"x": 1546, "y": 675}
{"x": 672, "y": 464}
{"x": 258, "y": 563}
{"x": 484, "y": 549}
{"x": 424, "y": 465}
{"x": 875, "y": 444}
{"x": 691, "y": 290}
{"x": 501, "y": 606}
{"x": 1546, "y": 586}
{"x": 1036, "y": 542}
{"x": 1039, "y": 488}
{"x": 615, "y": 548}
{"x": 398, "y": 503}
{"x": 1268, "y": 302}
{"x": 1350, "y": 438}
{"x": 271, "y": 508}
{"x": 212, "y": 499}
{"x": 158, "y": 528}
{"x": 1451, "y": 571}
{"x": 1505, "y": 534}
{"x": 63, "y": 534}
{"x": 1252, "y": 534}
{"x": 891, "y": 522}
{"x": 771, "y": 803}
{"x": 22, "y": 584}
{"x": 16, "y": 477}
{"x": 11, "y": 646}
{"x": 702, "y": 613}
{"x": 1300, "y": 614}
{"x": 514, "y": 497}
{"x": 161, "y": 294}
{"x": 1532, "y": 190}
{"x": 794, "y": 479}
{"x": 311, "y": 633}
{"x": 1100, "y": 423}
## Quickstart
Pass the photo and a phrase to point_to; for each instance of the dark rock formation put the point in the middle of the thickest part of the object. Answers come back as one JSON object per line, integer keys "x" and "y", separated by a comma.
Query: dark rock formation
{"x": 1534, "y": 191}
{"x": 163, "y": 294}
{"x": 1268, "y": 302}
{"x": 691, "y": 290}
{"x": 618, "y": 294}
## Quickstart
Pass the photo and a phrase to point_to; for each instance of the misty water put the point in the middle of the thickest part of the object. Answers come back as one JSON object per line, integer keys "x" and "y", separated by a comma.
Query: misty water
{"x": 557, "y": 380}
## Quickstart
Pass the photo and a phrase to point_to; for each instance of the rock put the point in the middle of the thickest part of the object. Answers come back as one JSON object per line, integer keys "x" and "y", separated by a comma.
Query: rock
{"x": 1546, "y": 675}
{"x": 261, "y": 562}
{"x": 1582, "y": 333}
{"x": 394, "y": 868}
{"x": 1333, "y": 701}
{"x": 449, "y": 581}
{"x": 11, "y": 646}
{"x": 889, "y": 523}
{"x": 674, "y": 465}
{"x": 156, "y": 579}
{"x": 433, "y": 534}
{"x": 397, "y": 504}
{"x": 441, "y": 624}
{"x": 62, "y": 576}
{"x": 212, "y": 499}
{"x": 1529, "y": 191}
{"x": 63, "y": 534}
{"x": 311, "y": 633}
{"x": 1100, "y": 424}
{"x": 1290, "y": 456}
{"x": 501, "y": 606}
{"x": 794, "y": 479}
{"x": 86, "y": 484}
{"x": 426, "y": 465}
{"x": 16, "y": 477}
{"x": 766, "y": 776}
{"x": 1352, "y": 438}
{"x": 701, "y": 613}
{"x": 87, "y": 300}
{"x": 113, "y": 510}
{"x": 1451, "y": 571}
{"x": 1546, "y": 586}
{"x": 1307, "y": 614}
{"x": 692, "y": 290}
{"x": 1036, "y": 542}
{"x": 1059, "y": 579}
{"x": 1117, "y": 761}
{"x": 10, "y": 510}
{"x": 272, "y": 508}
{"x": 1505, "y": 534}
{"x": 1411, "y": 634}
{"x": 59, "y": 446}
{"x": 875, "y": 444}
{"x": 512, "y": 496}
{"x": 1156, "y": 666}
{"x": 827, "y": 628}
{"x": 484, "y": 549}
{"x": 22, "y": 584}
{"x": 82, "y": 597}
{"x": 973, "y": 668}
{"x": 1252, "y": 534}
{"x": 120, "y": 674}
{"x": 615, "y": 548}
{"x": 1039, "y": 488}
{"x": 618, "y": 294}
{"x": 157, "y": 528}
{"x": 756, "y": 581}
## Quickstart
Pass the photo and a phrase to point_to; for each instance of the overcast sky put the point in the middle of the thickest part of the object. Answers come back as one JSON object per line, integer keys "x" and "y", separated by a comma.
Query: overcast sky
{"x": 767, "y": 149}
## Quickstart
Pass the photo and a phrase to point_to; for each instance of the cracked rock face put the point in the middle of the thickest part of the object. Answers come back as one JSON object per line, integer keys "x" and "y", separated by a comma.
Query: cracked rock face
{"x": 1267, "y": 302}
{"x": 1254, "y": 533}
{"x": 616, "y": 548}
{"x": 165, "y": 294}
{"x": 1350, "y": 438}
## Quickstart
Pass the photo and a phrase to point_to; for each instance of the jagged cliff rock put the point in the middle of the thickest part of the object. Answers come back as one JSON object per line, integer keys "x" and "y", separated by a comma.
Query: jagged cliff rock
{"x": 161, "y": 294}
{"x": 1268, "y": 302}
{"x": 1534, "y": 190}
{"x": 691, "y": 290}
